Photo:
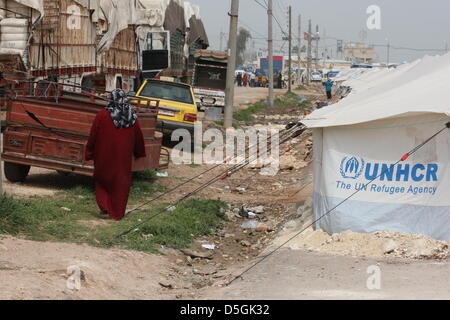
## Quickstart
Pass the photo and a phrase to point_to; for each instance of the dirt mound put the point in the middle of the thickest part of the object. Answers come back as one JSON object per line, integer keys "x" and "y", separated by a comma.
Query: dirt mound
{"x": 378, "y": 244}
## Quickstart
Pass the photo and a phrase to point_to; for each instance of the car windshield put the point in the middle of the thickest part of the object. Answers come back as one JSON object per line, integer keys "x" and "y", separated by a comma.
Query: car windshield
{"x": 167, "y": 91}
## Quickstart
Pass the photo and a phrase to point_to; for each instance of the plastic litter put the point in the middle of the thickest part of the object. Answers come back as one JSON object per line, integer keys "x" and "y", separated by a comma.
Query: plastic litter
{"x": 162, "y": 174}
{"x": 251, "y": 224}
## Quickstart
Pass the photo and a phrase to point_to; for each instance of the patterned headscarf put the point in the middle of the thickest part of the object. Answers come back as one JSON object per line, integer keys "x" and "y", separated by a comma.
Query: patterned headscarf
{"x": 122, "y": 113}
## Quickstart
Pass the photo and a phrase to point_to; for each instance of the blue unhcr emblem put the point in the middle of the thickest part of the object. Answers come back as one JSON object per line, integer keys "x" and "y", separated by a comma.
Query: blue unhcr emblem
{"x": 352, "y": 168}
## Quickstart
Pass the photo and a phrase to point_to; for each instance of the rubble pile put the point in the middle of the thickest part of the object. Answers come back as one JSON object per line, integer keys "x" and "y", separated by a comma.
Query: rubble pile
{"x": 374, "y": 245}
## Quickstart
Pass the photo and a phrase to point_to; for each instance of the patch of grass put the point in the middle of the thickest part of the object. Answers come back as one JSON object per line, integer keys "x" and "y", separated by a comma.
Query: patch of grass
{"x": 246, "y": 114}
{"x": 290, "y": 99}
{"x": 71, "y": 217}
{"x": 147, "y": 175}
{"x": 301, "y": 87}
{"x": 176, "y": 229}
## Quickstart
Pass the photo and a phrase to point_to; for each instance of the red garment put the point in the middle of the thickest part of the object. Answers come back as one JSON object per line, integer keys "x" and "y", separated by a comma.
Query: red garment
{"x": 112, "y": 150}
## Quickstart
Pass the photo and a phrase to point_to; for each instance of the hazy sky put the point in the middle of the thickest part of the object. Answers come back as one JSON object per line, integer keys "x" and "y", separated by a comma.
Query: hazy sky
{"x": 416, "y": 24}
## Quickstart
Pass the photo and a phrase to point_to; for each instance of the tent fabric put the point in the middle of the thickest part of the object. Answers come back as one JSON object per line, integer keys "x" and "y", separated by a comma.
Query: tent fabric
{"x": 410, "y": 197}
{"x": 359, "y": 184}
{"x": 37, "y": 5}
{"x": 175, "y": 18}
{"x": 197, "y": 32}
{"x": 412, "y": 89}
{"x": 119, "y": 14}
{"x": 211, "y": 55}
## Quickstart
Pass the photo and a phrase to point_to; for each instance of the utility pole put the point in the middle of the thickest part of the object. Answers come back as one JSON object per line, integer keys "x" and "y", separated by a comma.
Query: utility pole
{"x": 299, "y": 51}
{"x": 1, "y": 163}
{"x": 317, "y": 47}
{"x": 229, "y": 91}
{"x": 270, "y": 99}
{"x": 388, "y": 53}
{"x": 308, "y": 67}
{"x": 222, "y": 35}
{"x": 290, "y": 51}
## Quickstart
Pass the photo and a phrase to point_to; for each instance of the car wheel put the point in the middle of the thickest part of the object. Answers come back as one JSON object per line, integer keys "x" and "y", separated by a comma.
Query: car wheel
{"x": 16, "y": 172}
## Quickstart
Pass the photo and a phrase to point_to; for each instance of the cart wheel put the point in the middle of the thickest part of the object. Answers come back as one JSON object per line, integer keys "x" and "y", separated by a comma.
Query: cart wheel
{"x": 16, "y": 172}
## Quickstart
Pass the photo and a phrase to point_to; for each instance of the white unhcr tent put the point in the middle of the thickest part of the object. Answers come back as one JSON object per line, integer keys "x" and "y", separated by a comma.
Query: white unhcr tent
{"x": 364, "y": 135}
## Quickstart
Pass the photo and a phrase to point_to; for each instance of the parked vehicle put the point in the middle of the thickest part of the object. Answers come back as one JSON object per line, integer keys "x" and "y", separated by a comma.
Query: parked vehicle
{"x": 316, "y": 76}
{"x": 332, "y": 74}
{"x": 48, "y": 127}
{"x": 210, "y": 78}
{"x": 177, "y": 105}
{"x": 277, "y": 65}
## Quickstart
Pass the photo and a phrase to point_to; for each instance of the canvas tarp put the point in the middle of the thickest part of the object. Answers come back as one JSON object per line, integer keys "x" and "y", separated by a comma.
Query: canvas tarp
{"x": 413, "y": 89}
{"x": 363, "y": 137}
{"x": 37, "y": 5}
{"x": 175, "y": 18}
{"x": 409, "y": 197}
{"x": 197, "y": 32}
{"x": 119, "y": 14}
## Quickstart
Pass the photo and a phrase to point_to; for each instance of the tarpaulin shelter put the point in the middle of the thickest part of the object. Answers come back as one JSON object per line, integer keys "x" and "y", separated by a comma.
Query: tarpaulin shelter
{"x": 363, "y": 136}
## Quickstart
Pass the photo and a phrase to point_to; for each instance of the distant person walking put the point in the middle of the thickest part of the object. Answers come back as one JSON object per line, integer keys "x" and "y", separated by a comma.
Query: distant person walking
{"x": 245, "y": 80}
{"x": 329, "y": 89}
{"x": 252, "y": 80}
{"x": 115, "y": 138}
{"x": 239, "y": 79}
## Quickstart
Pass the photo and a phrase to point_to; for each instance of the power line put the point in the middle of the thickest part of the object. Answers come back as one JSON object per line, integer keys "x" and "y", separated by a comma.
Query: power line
{"x": 404, "y": 158}
{"x": 274, "y": 17}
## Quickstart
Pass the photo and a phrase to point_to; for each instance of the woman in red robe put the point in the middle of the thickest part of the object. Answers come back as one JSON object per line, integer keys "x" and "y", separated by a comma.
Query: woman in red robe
{"x": 115, "y": 138}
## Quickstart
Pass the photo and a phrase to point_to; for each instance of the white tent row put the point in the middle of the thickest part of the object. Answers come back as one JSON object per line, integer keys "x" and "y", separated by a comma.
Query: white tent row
{"x": 362, "y": 138}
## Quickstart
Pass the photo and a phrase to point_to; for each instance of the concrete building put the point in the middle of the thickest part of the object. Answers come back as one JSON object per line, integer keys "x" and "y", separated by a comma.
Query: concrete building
{"x": 359, "y": 52}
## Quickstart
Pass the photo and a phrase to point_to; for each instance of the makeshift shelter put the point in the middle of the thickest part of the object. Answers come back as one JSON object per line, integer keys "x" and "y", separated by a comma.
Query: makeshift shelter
{"x": 365, "y": 135}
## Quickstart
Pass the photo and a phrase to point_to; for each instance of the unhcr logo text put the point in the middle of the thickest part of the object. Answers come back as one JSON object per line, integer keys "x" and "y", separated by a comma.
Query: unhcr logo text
{"x": 355, "y": 167}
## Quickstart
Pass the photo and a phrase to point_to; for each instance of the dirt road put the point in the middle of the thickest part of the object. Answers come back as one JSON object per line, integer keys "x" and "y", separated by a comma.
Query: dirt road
{"x": 296, "y": 275}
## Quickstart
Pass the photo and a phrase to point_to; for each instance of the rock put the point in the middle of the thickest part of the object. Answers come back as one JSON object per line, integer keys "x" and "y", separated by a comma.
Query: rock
{"x": 389, "y": 247}
{"x": 207, "y": 271}
{"x": 230, "y": 215}
{"x": 421, "y": 249}
{"x": 166, "y": 284}
{"x": 308, "y": 203}
{"x": 245, "y": 243}
{"x": 256, "y": 210}
{"x": 262, "y": 227}
{"x": 335, "y": 237}
{"x": 229, "y": 235}
{"x": 256, "y": 165}
{"x": 270, "y": 171}
{"x": 194, "y": 254}
{"x": 291, "y": 224}
{"x": 241, "y": 190}
{"x": 66, "y": 209}
{"x": 287, "y": 163}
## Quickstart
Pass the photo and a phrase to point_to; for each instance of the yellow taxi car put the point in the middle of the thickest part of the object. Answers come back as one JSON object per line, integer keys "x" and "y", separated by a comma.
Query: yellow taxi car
{"x": 177, "y": 104}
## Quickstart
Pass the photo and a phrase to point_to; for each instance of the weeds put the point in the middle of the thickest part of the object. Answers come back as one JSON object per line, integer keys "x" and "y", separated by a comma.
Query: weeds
{"x": 70, "y": 216}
